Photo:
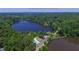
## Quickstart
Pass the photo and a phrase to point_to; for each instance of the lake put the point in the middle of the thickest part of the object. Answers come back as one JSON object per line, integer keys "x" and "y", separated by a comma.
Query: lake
{"x": 64, "y": 44}
{"x": 26, "y": 26}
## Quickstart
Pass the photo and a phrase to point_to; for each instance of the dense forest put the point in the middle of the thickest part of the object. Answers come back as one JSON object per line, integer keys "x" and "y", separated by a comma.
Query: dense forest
{"x": 66, "y": 24}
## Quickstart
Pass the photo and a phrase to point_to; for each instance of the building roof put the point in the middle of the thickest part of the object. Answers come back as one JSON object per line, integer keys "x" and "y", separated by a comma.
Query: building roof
{"x": 36, "y": 41}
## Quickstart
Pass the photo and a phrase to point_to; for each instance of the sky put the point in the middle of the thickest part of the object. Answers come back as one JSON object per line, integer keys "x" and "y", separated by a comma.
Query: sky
{"x": 39, "y": 9}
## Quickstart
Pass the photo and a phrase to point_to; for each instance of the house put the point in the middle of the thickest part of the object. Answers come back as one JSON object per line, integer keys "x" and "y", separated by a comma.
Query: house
{"x": 39, "y": 41}
{"x": 36, "y": 41}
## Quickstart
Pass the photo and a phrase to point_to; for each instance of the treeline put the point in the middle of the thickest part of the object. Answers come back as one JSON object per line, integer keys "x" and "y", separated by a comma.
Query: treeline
{"x": 17, "y": 41}
{"x": 67, "y": 22}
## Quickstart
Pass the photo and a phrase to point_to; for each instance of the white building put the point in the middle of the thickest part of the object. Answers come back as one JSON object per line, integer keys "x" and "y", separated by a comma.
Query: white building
{"x": 40, "y": 41}
{"x": 36, "y": 41}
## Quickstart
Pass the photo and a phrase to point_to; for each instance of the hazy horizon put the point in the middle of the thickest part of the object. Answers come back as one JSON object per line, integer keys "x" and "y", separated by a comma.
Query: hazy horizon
{"x": 5, "y": 10}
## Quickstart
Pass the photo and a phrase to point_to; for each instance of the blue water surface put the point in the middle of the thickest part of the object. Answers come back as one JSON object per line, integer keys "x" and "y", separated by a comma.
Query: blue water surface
{"x": 25, "y": 26}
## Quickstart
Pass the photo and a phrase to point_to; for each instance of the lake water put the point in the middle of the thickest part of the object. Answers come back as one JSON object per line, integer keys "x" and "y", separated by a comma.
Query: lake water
{"x": 25, "y": 26}
{"x": 68, "y": 44}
